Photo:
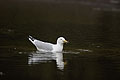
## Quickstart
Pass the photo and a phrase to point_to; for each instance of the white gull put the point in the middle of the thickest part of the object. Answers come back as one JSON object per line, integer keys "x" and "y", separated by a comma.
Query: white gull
{"x": 45, "y": 46}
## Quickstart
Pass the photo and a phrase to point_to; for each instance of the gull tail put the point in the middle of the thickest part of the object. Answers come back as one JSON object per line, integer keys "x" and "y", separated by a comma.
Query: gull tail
{"x": 31, "y": 39}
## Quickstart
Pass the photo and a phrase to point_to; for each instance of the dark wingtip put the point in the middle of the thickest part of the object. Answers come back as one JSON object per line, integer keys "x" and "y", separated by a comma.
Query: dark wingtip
{"x": 30, "y": 37}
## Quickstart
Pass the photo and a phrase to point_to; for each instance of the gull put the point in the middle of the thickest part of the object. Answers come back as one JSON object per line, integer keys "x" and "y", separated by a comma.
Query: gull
{"x": 45, "y": 46}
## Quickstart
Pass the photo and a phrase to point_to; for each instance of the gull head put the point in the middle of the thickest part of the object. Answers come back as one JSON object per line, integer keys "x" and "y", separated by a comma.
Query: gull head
{"x": 61, "y": 40}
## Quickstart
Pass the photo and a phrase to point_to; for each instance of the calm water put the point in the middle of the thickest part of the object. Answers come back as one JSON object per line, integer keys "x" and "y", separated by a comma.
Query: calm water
{"x": 91, "y": 27}
{"x": 81, "y": 64}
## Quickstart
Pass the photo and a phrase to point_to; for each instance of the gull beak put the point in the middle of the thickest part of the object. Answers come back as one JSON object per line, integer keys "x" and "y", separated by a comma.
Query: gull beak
{"x": 65, "y": 41}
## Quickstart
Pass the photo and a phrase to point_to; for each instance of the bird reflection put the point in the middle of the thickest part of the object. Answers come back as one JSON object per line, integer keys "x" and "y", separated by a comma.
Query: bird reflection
{"x": 40, "y": 57}
{"x": 59, "y": 60}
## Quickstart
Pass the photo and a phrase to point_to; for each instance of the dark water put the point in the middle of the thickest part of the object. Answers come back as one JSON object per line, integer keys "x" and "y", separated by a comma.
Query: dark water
{"x": 91, "y": 26}
{"x": 81, "y": 64}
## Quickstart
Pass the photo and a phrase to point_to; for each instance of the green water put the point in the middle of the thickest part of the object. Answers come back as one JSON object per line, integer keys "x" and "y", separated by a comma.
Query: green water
{"x": 91, "y": 27}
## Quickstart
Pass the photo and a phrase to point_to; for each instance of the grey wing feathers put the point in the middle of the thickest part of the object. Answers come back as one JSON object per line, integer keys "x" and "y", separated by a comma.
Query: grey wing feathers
{"x": 41, "y": 45}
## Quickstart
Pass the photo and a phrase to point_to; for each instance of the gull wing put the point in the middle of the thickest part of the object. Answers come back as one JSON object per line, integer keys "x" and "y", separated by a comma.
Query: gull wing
{"x": 40, "y": 45}
{"x": 43, "y": 45}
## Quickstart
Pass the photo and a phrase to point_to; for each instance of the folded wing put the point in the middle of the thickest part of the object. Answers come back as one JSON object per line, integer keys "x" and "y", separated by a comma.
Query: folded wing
{"x": 40, "y": 45}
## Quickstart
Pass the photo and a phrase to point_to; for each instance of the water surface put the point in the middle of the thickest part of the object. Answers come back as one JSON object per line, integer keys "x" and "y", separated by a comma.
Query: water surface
{"x": 81, "y": 64}
{"x": 91, "y": 27}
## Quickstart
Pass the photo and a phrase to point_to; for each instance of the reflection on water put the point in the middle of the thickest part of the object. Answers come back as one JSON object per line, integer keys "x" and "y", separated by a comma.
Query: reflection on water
{"x": 59, "y": 60}
{"x": 91, "y": 26}
{"x": 43, "y": 57}
{"x": 82, "y": 64}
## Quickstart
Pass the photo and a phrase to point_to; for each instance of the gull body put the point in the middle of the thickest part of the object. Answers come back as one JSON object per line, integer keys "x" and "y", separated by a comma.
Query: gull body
{"x": 45, "y": 46}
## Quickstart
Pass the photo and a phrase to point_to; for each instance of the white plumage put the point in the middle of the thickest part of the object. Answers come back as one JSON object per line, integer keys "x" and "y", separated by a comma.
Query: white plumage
{"x": 45, "y": 46}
